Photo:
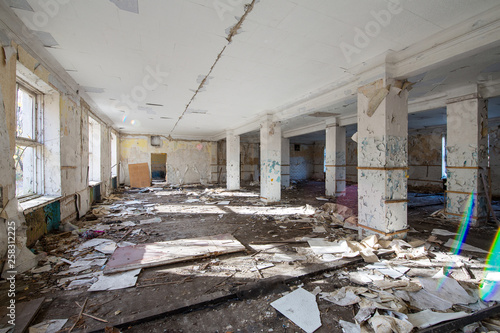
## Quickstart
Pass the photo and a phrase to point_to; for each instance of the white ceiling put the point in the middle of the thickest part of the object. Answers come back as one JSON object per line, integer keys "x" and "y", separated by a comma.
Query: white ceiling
{"x": 284, "y": 50}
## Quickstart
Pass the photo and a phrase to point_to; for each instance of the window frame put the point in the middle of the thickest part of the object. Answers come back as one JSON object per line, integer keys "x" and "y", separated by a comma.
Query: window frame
{"x": 36, "y": 142}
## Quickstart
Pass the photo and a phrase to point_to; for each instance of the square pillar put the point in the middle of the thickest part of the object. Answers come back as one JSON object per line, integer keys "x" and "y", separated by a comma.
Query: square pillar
{"x": 335, "y": 162}
{"x": 270, "y": 161}
{"x": 466, "y": 156}
{"x": 382, "y": 158}
{"x": 232, "y": 161}
{"x": 285, "y": 162}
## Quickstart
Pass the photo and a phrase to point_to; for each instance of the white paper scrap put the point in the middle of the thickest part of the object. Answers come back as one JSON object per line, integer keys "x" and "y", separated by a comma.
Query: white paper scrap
{"x": 152, "y": 220}
{"x": 116, "y": 281}
{"x": 428, "y": 318}
{"x": 452, "y": 243}
{"x": 300, "y": 307}
{"x": 442, "y": 232}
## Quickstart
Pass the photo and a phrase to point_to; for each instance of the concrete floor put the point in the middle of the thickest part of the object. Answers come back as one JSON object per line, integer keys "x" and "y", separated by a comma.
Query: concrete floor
{"x": 175, "y": 288}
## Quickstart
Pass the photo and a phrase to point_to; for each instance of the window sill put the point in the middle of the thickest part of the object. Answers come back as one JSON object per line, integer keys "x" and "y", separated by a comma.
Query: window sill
{"x": 32, "y": 204}
{"x": 93, "y": 183}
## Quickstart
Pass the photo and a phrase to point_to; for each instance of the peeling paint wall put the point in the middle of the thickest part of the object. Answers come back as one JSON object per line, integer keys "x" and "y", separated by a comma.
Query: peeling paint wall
{"x": 250, "y": 162}
{"x": 318, "y": 161}
{"x": 220, "y": 175}
{"x": 351, "y": 160}
{"x": 494, "y": 149}
{"x": 466, "y": 156}
{"x": 424, "y": 160}
{"x": 65, "y": 155}
{"x": 301, "y": 162}
{"x": 188, "y": 162}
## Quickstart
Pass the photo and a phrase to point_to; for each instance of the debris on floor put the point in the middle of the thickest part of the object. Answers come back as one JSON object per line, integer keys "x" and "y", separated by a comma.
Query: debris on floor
{"x": 300, "y": 307}
{"x": 161, "y": 247}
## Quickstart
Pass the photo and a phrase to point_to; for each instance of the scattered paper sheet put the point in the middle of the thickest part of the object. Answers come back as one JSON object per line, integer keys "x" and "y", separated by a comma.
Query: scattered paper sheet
{"x": 425, "y": 300}
{"x": 348, "y": 327}
{"x": 223, "y": 202}
{"x": 93, "y": 243}
{"x": 442, "y": 232}
{"x": 152, "y": 220}
{"x": 394, "y": 272}
{"x": 427, "y": 318}
{"x": 116, "y": 281}
{"x": 452, "y": 243}
{"x": 300, "y": 307}
{"x": 320, "y": 246}
{"x": 192, "y": 200}
{"x": 390, "y": 324}
{"x": 261, "y": 267}
{"x": 489, "y": 289}
{"x": 448, "y": 289}
{"x": 48, "y": 326}
{"x": 342, "y": 297}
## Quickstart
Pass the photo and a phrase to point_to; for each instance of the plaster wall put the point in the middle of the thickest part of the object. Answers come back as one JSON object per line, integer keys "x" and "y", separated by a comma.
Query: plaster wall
{"x": 188, "y": 162}
{"x": 318, "y": 161}
{"x": 494, "y": 153}
{"x": 424, "y": 160}
{"x": 301, "y": 162}
{"x": 65, "y": 153}
{"x": 351, "y": 160}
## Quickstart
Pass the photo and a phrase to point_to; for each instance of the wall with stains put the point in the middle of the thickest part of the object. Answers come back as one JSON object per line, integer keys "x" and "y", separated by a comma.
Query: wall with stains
{"x": 188, "y": 162}
{"x": 318, "y": 161}
{"x": 65, "y": 152}
{"x": 250, "y": 162}
{"x": 494, "y": 152}
{"x": 301, "y": 161}
{"x": 351, "y": 160}
{"x": 424, "y": 160}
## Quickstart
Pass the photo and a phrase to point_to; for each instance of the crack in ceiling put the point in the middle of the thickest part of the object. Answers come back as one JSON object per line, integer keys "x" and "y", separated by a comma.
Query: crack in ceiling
{"x": 232, "y": 33}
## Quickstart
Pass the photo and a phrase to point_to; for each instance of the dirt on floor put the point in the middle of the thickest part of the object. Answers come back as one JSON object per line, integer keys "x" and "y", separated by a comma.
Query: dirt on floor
{"x": 234, "y": 292}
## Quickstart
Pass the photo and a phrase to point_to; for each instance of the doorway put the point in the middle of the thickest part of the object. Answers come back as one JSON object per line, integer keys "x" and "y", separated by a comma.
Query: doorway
{"x": 159, "y": 167}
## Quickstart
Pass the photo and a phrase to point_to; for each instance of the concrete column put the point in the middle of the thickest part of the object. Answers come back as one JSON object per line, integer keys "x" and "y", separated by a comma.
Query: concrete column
{"x": 382, "y": 158}
{"x": 335, "y": 163}
{"x": 270, "y": 161}
{"x": 285, "y": 162}
{"x": 467, "y": 154}
{"x": 232, "y": 161}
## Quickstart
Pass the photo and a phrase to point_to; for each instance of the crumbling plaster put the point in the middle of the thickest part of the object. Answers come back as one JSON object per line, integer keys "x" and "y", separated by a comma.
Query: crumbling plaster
{"x": 67, "y": 125}
{"x": 424, "y": 159}
{"x": 494, "y": 153}
{"x": 187, "y": 161}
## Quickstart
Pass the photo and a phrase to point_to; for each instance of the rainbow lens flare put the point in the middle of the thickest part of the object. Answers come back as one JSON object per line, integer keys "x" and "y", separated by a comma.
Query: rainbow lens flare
{"x": 488, "y": 288}
{"x": 463, "y": 229}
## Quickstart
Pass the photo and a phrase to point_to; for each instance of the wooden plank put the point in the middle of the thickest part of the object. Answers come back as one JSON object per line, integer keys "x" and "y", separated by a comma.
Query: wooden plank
{"x": 139, "y": 175}
{"x": 162, "y": 253}
{"x": 25, "y": 313}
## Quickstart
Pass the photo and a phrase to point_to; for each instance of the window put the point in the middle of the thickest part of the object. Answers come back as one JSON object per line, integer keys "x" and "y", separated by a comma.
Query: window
{"x": 94, "y": 150}
{"x": 29, "y": 148}
{"x": 114, "y": 155}
{"x": 443, "y": 157}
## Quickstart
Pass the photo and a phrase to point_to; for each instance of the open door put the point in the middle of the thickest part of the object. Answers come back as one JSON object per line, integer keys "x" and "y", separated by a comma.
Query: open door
{"x": 159, "y": 167}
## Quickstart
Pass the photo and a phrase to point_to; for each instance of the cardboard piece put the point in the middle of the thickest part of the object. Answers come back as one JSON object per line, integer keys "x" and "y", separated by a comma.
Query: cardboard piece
{"x": 139, "y": 175}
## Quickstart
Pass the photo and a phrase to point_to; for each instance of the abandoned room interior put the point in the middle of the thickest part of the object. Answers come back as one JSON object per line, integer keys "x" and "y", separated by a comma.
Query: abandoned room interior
{"x": 250, "y": 166}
